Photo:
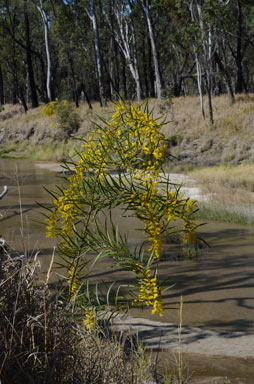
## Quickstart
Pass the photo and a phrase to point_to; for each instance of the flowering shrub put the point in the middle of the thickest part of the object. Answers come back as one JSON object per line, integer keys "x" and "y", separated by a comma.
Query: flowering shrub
{"x": 132, "y": 145}
{"x": 63, "y": 115}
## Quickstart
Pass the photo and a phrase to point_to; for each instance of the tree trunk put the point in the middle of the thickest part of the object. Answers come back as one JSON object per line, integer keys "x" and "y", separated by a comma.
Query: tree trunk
{"x": 209, "y": 94}
{"x": 207, "y": 46}
{"x": 82, "y": 88}
{"x": 158, "y": 88}
{"x": 240, "y": 80}
{"x": 111, "y": 69}
{"x": 226, "y": 77}
{"x": 135, "y": 62}
{"x": 117, "y": 71}
{"x": 123, "y": 38}
{"x": 124, "y": 78}
{"x": 199, "y": 80}
{"x": 1, "y": 88}
{"x": 198, "y": 67}
{"x": 151, "y": 72}
{"x": 22, "y": 100}
{"x": 91, "y": 14}
{"x": 45, "y": 24}
{"x": 146, "y": 91}
{"x": 29, "y": 58}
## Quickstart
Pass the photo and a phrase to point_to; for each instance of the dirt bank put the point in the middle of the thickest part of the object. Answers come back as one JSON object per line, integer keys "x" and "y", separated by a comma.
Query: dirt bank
{"x": 190, "y": 138}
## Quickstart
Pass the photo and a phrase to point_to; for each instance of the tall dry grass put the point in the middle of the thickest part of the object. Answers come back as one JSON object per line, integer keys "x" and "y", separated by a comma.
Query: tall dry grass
{"x": 239, "y": 177}
{"x": 42, "y": 341}
{"x": 230, "y": 138}
{"x": 229, "y": 191}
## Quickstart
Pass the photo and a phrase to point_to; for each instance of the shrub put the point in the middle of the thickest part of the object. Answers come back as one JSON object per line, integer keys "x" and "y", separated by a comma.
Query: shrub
{"x": 130, "y": 143}
{"x": 66, "y": 119}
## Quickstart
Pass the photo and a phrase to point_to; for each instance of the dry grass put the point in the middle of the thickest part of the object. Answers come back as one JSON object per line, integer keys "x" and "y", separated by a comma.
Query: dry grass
{"x": 42, "y": 341}
{"x": 229, "y": 118}
{"x": 231, "y": 191}
{"x": 233, "y": 177}
{"x": 230, "y": 139}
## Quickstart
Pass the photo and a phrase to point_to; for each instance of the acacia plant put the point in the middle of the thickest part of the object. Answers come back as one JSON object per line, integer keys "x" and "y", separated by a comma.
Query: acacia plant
{"x": 63, "y": 115}
{"x": 132, "y": 145}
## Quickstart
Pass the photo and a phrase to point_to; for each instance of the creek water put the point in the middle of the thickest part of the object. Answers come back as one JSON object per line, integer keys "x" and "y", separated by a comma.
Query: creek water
{"x": 217, "y": 289}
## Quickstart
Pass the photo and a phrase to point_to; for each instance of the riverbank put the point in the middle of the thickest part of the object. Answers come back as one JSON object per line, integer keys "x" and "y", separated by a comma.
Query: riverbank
{"x": 190, "y": 139}
{"x": 226, "y": 149}
{"x": 224, "y": 193}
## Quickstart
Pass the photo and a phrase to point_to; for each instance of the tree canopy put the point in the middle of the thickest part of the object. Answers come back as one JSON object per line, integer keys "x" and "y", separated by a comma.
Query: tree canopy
{"x": 103, "y": 49}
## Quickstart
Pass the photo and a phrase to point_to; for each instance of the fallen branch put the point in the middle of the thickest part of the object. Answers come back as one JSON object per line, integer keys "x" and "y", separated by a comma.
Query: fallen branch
{"x": 4, "y": 192}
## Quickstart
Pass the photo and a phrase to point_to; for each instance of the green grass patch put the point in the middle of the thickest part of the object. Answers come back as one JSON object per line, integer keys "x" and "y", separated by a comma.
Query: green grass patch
{"x": 51, "y": 150}
{"x": 223, "y": 214}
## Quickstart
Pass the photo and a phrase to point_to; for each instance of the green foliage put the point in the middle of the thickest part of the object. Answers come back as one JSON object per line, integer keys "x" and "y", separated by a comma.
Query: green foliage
{"x": 132, "y": 145}
{"x": 65, "y": 117}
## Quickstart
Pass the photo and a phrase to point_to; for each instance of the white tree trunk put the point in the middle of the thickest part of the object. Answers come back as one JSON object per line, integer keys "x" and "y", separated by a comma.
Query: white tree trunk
{"x": 91, "y": 14}
{"x": 45, "y": 24}
{"x": 123, "y": 39}
{"x": 199, "y": 80}
{"x": 158, "y": 88}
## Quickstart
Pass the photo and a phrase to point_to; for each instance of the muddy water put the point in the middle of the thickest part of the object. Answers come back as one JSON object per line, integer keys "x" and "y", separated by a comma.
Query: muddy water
{"x": 22, "y": 211}
{"x": 217, "y": 289}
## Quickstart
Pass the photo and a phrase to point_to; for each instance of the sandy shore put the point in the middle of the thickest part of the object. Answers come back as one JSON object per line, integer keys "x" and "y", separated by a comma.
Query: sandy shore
{"x": 51, "y": 166}
{"x": 192, "y": 192}
{"x": 158, "y": 335}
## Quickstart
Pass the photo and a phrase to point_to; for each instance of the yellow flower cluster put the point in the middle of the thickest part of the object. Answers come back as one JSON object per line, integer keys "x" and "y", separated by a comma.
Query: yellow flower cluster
{"x": 130, "y": 139}
{"x": 51, "y": 220}
{"x": 190, "y": 231}
{"x": 73, "y": 281}
{"x": 50, "y": 109}
{"x": 66, "y": 207}
{"x": 147, "y": 208}
{"x": 158, "y": 208}
{"x": 179, "y": 208}
{"x": 89, "y": 320}
{"x": 149, "y": 291}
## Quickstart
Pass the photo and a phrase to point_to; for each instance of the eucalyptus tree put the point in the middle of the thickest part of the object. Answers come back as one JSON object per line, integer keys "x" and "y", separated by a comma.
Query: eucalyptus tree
{"x": 124, "y": 33}
{"x": 90, "y": 9}
{"x": 186, "y": 17}
{"x": 239, "y": 38}
{"x": 198, "y": 12}
{"x": 16, "y": 18}
{"x": 73, "y": 45}
{"x": 146, "y": 8}
{"x": 45, "y": 20}
{"x": 28, "y": 46}
{"x": 12, "y": 56}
